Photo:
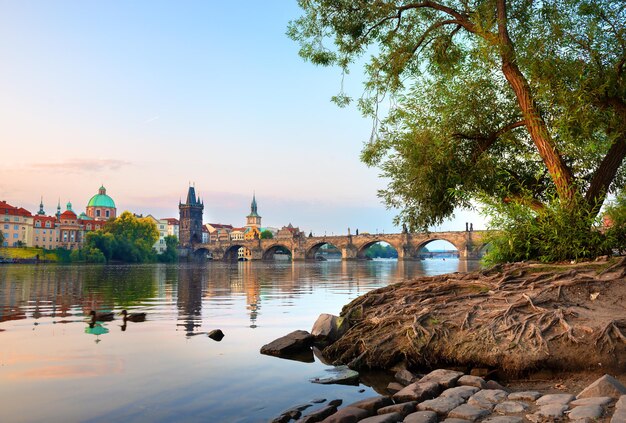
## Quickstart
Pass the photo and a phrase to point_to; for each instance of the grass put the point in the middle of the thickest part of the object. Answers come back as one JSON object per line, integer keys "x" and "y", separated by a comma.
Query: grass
{"x": 27, "y": 253}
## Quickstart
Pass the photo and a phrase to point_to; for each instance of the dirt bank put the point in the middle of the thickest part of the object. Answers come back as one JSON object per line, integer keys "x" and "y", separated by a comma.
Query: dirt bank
{"x": 517, "y": 318}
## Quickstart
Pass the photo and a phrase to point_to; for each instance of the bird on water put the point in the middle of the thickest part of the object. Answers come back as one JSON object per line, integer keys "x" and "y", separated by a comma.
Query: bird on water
{"x": 133, "y": 317}
{"x": 101, "y": 317}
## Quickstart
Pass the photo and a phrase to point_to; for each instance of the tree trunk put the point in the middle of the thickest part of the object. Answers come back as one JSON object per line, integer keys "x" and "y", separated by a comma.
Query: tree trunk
{"x": 559, "y": 171}
{"x": 605, "y": 174}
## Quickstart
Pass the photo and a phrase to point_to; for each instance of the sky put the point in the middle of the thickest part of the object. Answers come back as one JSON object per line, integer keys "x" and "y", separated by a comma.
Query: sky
{"x": 148, "y": 97}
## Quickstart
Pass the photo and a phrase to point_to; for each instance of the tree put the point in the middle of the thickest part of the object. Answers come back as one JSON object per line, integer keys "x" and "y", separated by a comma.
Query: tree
{"x": 267, "y": 234}
{"x": 170, "y": 255}
{"x": 516, "y": 100}
{"x": 1, "y": 238}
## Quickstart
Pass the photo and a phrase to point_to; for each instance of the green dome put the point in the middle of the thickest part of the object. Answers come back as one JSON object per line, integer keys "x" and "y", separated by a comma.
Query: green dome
{"x": 101, "y": 199}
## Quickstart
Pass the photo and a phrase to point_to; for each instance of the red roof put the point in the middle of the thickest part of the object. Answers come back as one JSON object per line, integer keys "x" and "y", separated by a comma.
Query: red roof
{"x": 204, "y": 229}
{"x": 220, "y": 226}
{"x": 171, "y": 221}
{"x": 6, "y": 208}
{"x": 68, "y": 214}
{"x": 44, "y": 219}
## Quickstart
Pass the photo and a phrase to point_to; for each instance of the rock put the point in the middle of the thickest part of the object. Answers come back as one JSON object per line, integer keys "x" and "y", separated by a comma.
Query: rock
{"x": 550, "y": 411}
{"x": 467, "y": 380}
{"x": 336, "y": 402}
{"x": 455, "y": 420}
{"x": 319, "y": 415}
{"x": 421, "y": 417}
{"x": 341, "y": 375}
{"x": 372, "y": 404}
{"x": 216, "y": 335}
{"x": 441, "y": 405}
{"x": 404, "y": 409}
{"x": 293, "y": 342}
{"x": 492, "y": 384}
{"x": 417, "y": 392}
{"x": 606, "y": 386}
{"x": 503, "y": 419}
{"x": 468, "y": 412}
{"x": 384, "y": 418}
{"x": 405, "y": 377}
{"x": 347, "y": 415}
{"x": 621, "y": 402}
{"x": 318, "y": 400}
{"x": 525, "y": 396}
{"x": 591, "y": 401}
{"x": 479, "y": 371}
{"x": 328, "y": 328}
{"x": 445, "y": 378}
{"x": 561, "y": 399}
{"x": 619, "y": 416}
{"x": 463, "y": 392}
{"x": 487, "y": 398}
{"x": 586, "y": 412}
{"x": 394, "y": 387}
{"x": 510, "y": 407}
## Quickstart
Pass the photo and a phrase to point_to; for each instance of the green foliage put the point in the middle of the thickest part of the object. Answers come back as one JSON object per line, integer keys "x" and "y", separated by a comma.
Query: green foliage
{"x": 616, "y": 231}
{"x": 454, "y": 131}
{"x": 267, "y": 234}
{"x": 381, "y": 251}
{"x": 170, "y": 255}
{"x": 552, "y": 233}
{"x": 1, "y": 238}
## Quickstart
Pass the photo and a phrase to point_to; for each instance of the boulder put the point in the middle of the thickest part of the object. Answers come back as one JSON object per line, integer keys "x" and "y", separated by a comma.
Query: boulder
{"x": 606, "y": 386}
{"x": 294, "y": 342}
{"x": 328, "y": 328}
{"x": 319, "y": 415}
{"x": 347, "y": 415}
{"x": 468, "y": 412}
{"x": 372, "y": 404}
{"x": 384, "y": 418}
{"x": 404, "y": 409}
{"x": 445, "y": 378}
{"x": 417, "y": 392}
{"x": 421, "y": 417}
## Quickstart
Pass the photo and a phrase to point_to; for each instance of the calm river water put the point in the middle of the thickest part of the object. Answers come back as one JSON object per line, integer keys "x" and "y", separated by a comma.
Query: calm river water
{"x": 55, "y": 368}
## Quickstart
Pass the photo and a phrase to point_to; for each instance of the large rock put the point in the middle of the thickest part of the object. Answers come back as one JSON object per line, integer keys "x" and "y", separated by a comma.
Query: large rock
{"x": 341, "y": 375}
{"x": 319, "y": 415}
{"x": 404, "y": 408}
{"x": 372, "y": 404}
{"x": 384, "y": 418}
{"x": 417, "y": 392}
{"x": 606, "y": 386}
{"x": 445, "y": 378}
{"x": 468, "y": 412}
{"x": 292, "y": 343}
{"x": 421, "y": 417}
{"x": 328, "y": 328}
{"x": 347, "y": 415}
{"x": 487, "y": 398}
{"x": 441, "y": 405}
{"x": 586, "y": 413}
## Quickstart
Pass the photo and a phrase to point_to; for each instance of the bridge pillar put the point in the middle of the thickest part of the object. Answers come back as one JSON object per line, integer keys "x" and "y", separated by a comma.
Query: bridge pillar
{"x": 407, "y": 252}
{"x": 349, "y": 252}
{"x": 298, "y": 254}
{"x": 256, "y": 253}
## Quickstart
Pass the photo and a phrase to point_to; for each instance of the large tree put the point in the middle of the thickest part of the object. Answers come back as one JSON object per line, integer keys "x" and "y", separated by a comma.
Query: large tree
{"x": 515, "y": 99}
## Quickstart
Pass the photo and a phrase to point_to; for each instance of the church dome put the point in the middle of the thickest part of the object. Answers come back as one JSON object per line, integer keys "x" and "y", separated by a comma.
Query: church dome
{"x": 101, "y": 199}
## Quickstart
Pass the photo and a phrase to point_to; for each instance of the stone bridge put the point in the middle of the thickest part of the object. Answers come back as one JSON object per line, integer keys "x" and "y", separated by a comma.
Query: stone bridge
{"x": 469, "y": 244}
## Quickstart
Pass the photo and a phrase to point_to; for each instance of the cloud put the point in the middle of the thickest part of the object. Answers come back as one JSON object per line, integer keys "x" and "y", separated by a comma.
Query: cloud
{"x": 81, "y": 165}
{"x": 152, "y": 119}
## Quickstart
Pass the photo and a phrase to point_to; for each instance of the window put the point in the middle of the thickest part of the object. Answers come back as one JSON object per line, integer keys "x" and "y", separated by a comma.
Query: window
{"x": 6, "y": 226}
{"x": 15, "y": 235}
{"x": 36, "y": 238}
{"x": 37, "y": 224}
{"x": 16, "y": 218}
{"x": 107, "y": 213}
{"x": 47, "y": 224}
{"x": 97, "y": 213}
{"x": 16, "y": 227}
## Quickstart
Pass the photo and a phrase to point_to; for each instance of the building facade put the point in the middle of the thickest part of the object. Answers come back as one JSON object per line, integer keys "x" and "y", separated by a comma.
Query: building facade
{"x": 17, "y": 225}
{"x": 101, "y": 207}
{"x": 190, "y": 229}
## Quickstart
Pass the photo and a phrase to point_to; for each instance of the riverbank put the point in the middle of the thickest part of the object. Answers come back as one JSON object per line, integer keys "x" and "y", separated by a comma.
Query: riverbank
{"x": 516, "y": 318}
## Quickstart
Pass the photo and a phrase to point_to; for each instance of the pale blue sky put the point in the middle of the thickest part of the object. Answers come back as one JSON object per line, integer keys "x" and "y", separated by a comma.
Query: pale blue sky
{"x": 146, "y": 96}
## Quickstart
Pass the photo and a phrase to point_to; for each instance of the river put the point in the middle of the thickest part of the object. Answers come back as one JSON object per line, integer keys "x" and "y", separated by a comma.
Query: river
{"x": 55, "y": 368}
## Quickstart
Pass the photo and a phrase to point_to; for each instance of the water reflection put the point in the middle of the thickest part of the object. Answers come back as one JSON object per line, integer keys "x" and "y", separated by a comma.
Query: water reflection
{"x": 167, "y": 364}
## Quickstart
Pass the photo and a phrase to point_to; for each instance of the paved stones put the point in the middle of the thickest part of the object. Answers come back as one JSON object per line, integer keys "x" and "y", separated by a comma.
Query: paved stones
{"x": 319, "y": 415}
{"x": 487, "y": 398}
{"x": 503, "y": 419}
{"x": 421, "y": 417}
{"x": 372, "y": 404}
{"x": 549, "y": 411}
{"x": 463, "y": 392}
{"x": 525, "y": 396}
{"x": 455, "y": 420}
{"x": 560, "y": 399}
{"x": 417, "y": 391}
{"x": 441, "y": 405}
{"x": 347, "y": 415}
{"x": 621, "y": 402}
{"x": 586, "y": 412}
{"x": 405, "y": 408}
{"x": 606, "y": 386}
{"x": 384, "y": 418}
{"x": 405, "y": 377}
{"x": 510, "y": 407}
{"x": 469, "y": 380}
{"x": 468, "y": 412}
{"x": 445, "y": 378}
{"x": 591, "y": 401}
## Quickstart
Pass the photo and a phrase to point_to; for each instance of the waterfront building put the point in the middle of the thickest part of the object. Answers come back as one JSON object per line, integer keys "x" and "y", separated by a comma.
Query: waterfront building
{"x": 17, "y": 225}
{"x": 252, "y": 232}
{"x": 219, "y": 231}
{"x": 172, "y": 226}
{"x": 190, "y": 229}
{"x": 237, "y": 234}
{"x": 289, "y": 232}
{"x": 71, "y": 230}
{"x": 101, "y": 207}
{"x": 161, "y": 225}
{"x": 45, "y": 232}
{"x": 205, "y": 235}
{"x": 253, "y": 220}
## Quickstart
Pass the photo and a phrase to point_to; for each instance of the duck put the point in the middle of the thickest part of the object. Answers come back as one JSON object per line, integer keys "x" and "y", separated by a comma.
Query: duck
{"x": 133, "y": 317}
{"x": 102, "y": 317}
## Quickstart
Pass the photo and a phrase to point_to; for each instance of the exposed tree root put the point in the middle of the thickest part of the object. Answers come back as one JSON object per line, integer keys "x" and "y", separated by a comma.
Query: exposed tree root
{"x": 515, "y": 317}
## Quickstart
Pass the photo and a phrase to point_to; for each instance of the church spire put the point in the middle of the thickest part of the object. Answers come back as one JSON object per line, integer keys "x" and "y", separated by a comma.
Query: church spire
{"x": 41, "y": 212}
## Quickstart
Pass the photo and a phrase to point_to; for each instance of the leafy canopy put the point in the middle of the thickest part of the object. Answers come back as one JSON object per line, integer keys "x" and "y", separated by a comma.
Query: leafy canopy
{"x": 516, "y": 100}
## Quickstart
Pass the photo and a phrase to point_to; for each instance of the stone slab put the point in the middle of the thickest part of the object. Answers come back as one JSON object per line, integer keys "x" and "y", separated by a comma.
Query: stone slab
{"x": 468, "y": 412}
{"x": 441, "y": 405}
{"x": 347, "y": 415}
{"x": 293, "y": 342}
{"x": 319, "y": 415}
{"x": 561, "y": 399}
{"x": 551, "y": 411}
{"x": 468, "y": 380}
{"x": 525, "y": 396}
{"x": 503, "y": 419}
{"x": 454, "y": 420}
{"x": 421, "y": 417}
{"x": 445, "y": 378}
{"x": 487, "y": 398}
{"x": 591, "y": 401}
{"x": 405, "y": 377}
{"x": 417, "y": 391}
{"x": 621, "y": 402}
{"x": 384, "y": 418}
{"x": 460, "y": 391}
{"x": 405, "y": 408}
{"x": 606, "y": 386}
{"x": 586, "y": 412}
{"x": 511, "y": 407}
{"x": 372, "y": 404}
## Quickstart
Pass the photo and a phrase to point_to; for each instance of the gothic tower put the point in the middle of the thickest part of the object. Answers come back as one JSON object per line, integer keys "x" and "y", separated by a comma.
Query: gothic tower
{"x": 253, "y": 219}
{"x": 190, "y": 230}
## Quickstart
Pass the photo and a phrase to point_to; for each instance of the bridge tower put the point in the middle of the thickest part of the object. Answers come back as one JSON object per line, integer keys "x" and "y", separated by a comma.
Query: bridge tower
{"x": 253, "y": 220}
{"x": 190, "y": 231}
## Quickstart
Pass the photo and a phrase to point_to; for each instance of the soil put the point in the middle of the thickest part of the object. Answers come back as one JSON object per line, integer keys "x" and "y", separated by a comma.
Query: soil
{"x": 516, "y": 319}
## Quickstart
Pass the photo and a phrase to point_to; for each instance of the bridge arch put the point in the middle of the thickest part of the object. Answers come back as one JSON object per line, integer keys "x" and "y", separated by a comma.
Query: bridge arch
{"x": 459, "y": 248}
{"x": 313, "y": 250}
{"x": 362, "y": 250}
{"x": 232, "y": 252}
{"x": 202, "y": 254}
{"x": 270, "y": 251}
